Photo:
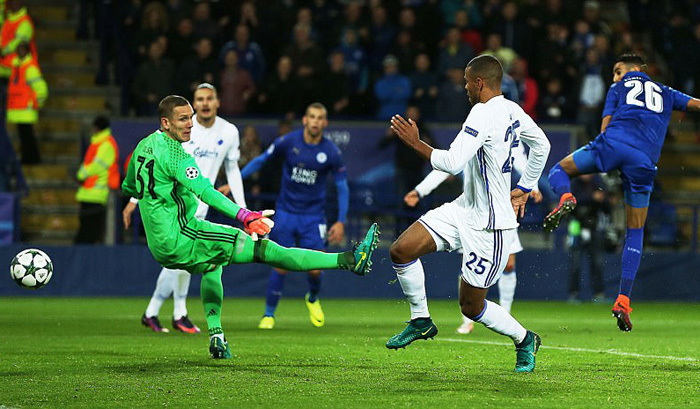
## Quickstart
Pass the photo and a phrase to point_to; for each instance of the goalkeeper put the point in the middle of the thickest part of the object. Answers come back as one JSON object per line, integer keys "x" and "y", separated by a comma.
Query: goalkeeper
{"x": 167, "y": 182}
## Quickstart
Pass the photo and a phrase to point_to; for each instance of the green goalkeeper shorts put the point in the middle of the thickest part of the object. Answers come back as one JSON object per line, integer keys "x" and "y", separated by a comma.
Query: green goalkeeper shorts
{"x": 203, "y": 246}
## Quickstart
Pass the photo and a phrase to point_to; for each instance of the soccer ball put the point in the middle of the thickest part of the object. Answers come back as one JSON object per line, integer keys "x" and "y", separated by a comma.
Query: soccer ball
{"x": 31, "y": 268}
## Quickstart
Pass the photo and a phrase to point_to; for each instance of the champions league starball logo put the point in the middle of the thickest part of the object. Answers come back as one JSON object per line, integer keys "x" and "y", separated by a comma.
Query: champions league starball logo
{"x": 191, "y": 172}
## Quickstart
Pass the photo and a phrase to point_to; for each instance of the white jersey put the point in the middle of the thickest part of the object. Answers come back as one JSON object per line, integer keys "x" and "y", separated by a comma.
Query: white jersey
{"x": 211, "y": 147}
{"x": 483, "y": 151}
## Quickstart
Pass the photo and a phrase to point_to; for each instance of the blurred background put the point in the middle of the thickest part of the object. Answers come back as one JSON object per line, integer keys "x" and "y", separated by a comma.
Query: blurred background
{"x": 365, "y": 60}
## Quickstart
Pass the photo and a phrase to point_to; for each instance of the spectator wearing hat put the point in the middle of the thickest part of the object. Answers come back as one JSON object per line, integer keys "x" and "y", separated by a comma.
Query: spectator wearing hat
{"x": 392, "y": 90}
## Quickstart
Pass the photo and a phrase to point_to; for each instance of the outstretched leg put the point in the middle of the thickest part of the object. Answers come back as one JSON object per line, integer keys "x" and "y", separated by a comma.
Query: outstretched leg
{"x": 297, "y": 259}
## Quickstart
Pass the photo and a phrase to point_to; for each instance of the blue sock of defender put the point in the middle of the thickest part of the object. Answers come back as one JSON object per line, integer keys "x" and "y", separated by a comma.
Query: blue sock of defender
{"x": 274, "y": 292}
{"x": 314, "y": 286}
{"x": 631, "y": 257}
{"x": 559, "y": 181}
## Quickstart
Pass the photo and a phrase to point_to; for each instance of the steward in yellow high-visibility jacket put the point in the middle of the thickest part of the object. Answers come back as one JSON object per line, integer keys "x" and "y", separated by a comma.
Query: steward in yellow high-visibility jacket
{"x": 98, "y": 174}
{"x": 17, "y": 27}
{"x": 26, "y": 93}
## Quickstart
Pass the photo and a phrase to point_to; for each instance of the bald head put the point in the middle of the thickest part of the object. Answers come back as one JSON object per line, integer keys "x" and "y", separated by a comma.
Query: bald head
{"x": 488, "y": 68}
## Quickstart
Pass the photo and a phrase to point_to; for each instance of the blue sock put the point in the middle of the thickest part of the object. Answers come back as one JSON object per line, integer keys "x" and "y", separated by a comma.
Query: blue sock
{"x": 274, "y": 292}
{"x": 559, "y": 181}
{"x": 314, "y": 286}
{"x": 631, "y": 256}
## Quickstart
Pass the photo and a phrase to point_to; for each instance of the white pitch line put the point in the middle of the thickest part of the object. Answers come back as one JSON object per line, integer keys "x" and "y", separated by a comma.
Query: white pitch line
{"x": 597, "y": 351}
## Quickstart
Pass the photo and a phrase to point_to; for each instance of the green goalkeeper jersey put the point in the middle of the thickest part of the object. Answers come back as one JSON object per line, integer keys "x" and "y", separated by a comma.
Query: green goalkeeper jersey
{"x": 167, "y": 182}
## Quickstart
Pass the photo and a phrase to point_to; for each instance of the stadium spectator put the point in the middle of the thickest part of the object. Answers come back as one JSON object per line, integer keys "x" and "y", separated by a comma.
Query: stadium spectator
{"x": 381, "y": 36}
{"x": 26, "y": 94}
{"x": 591, "y": 13}
{"x": 204, "y": 24}
{"x": 182, "y": 41}
{"x": 336, "y": 95}
{"x": 98, "y": 174}
{"x": 424, "y": 86}
{"x": 586, "y": 234}
{"x": 454, "y": 53}
{"x": 153, "y": 80}
{"x": 582, "y": 39}
{"x": 513, "y": 30}
{"x": 308, "y": 61}
{"x": 592, "y": 93}
{"x": 237, "y": 86}
{"x": 250, "y": 55}
{"x": 280, "y": 95}
{"x": 392, "y": 90}
{"x": 453, "y": 102}
{"x": 528, "y": 91}
{"x": 154, "y": 23}
{"x": 204, "y": 67}
{"x": 554, "y": 106}
{"x": 355, "y": 62}
{"x": 449, "y": 9}
{"x": 494, "y": 46}
{"x": 468, "y": 33}
{"x": 405, "y": 50}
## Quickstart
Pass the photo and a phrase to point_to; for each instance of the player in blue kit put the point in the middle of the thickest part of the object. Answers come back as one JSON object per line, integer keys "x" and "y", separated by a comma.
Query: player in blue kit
{"x": 635, "y": 118}
{"x": 300, "y": 219}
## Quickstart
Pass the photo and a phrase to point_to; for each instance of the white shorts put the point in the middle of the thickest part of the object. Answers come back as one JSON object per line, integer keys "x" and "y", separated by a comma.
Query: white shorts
{"x": 484, "y": 252}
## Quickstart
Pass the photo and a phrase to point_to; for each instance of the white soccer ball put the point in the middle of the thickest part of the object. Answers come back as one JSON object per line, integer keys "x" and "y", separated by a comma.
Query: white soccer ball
{"x": 31, "y": 268}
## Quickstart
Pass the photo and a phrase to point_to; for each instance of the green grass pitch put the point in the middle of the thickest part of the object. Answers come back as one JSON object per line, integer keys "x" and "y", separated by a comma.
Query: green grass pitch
{"x": 90, "y": 353}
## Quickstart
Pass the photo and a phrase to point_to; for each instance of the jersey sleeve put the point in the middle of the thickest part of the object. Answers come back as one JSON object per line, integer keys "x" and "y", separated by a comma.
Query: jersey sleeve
{"x": 187, "y": 173}
{"x": 536, "y": 139}
{"x": 469, "y": 139}
{"x": 129, "y": 184}
{"x": 611, "y": 100}
{"x": 430, "y": 182}
{"x": 341, "y": 182}
{"x": 680, "y": 99}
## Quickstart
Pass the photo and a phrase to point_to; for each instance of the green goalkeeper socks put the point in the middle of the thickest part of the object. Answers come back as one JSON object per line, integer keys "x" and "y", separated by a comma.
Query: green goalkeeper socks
{"x": 291, "y": 258}
{"x": 212, "y": 291}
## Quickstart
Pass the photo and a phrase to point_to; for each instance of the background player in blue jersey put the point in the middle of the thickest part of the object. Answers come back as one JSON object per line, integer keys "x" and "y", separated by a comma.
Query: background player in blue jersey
{"x": 636, "y": 114}
{"x": 300, "y": 218}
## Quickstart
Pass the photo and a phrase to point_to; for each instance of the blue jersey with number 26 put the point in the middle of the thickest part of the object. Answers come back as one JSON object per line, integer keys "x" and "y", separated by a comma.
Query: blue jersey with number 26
{"x": 641, "y": 110}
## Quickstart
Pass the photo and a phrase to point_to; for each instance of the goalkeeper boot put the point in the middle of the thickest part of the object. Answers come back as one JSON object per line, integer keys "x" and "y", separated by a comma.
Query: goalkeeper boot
{"x": 219, "y": 349}
{"x": 185, "y": 325}
{"x": 267, "y": 322}
{"x": 315, "y": 312}
{"x": 525, "y": 352}
{"x": 621, "y": 310}
{"x": 418, "y": 328}
{"x": 566, "y": 205}
{"x": 364, "y": 249}
{"x": 153, "y": 323}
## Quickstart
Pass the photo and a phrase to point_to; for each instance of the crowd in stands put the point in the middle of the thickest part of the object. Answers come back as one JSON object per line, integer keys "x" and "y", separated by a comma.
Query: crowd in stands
{"x": 371, "y": 58}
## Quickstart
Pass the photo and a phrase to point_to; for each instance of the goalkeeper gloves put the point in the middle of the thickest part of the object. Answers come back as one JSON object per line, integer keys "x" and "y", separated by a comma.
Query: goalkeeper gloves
{"x": 256, "y": 223}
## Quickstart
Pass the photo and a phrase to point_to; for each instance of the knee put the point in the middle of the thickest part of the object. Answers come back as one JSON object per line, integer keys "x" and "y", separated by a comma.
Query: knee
{"x": 471, "y": 308}
{"x": 399, "y": 253}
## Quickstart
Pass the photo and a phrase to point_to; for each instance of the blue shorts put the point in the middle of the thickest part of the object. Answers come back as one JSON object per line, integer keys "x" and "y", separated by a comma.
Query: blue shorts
{"x": 299, "y": 230}
{"x": 605, "y": 155}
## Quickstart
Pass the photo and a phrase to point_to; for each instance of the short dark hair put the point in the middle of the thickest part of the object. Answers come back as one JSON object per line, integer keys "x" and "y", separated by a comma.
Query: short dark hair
{"x": 488, "y": 68}
{"x": 101, "y": 123}
{"x": 168, "y": 104}
{"x": 316, "y": 105}
{"x": 631, "y": 59}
